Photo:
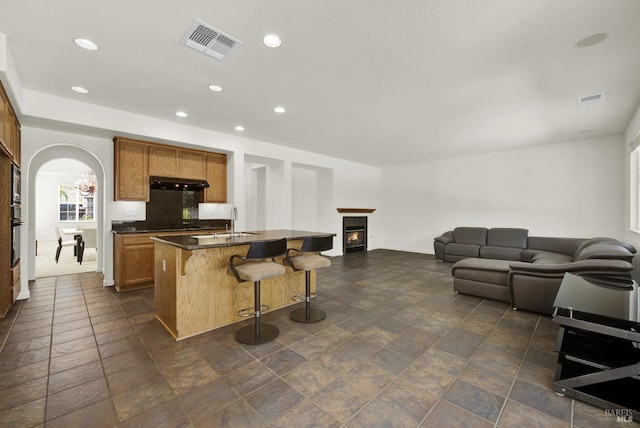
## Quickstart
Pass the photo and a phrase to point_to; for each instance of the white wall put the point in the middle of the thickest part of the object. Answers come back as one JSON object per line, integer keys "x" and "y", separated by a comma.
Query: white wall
{"x": 630, "y": 135}
{"x": 574, "y": 189}
{"x": 305, "y": 195}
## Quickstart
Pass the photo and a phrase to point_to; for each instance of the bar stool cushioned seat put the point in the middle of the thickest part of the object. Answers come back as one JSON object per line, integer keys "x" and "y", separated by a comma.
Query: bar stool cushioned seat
{"x": 259, "y": 264}
{"x": 308, "y": 262}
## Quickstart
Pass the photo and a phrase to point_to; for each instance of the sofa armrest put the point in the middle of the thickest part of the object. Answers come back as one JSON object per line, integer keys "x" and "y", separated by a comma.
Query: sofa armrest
{"x": 440, "y": 242}
{"x": 604, "y": 251}
{"x": 589, "y": 266}
{"x": 445, "y": 238}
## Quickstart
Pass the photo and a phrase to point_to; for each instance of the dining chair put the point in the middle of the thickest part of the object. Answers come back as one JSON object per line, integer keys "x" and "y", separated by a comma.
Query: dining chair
{"x": 89, "y": 240}
{"x": 62, "y": 243}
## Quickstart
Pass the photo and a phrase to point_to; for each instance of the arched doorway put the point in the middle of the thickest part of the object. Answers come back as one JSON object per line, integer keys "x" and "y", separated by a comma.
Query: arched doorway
{"x": 65, "y": 204}
{"x": 41, "y": 157}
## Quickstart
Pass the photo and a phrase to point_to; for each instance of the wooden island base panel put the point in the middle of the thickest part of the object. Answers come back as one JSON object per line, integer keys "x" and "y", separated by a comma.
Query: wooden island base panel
{"x": 195, "y": 291}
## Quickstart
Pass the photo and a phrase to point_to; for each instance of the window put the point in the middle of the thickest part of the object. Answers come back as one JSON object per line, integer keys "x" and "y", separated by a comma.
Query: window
{"x": 73, "y": 206}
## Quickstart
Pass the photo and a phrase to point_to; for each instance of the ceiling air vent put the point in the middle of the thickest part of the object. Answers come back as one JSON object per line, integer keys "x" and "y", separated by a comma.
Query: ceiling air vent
{"x": 208, "y": 40}
{"x": 590, "y": 99}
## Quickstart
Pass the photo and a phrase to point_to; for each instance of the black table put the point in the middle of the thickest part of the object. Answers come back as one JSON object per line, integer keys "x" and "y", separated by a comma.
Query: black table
{"x": 597, "y": 345}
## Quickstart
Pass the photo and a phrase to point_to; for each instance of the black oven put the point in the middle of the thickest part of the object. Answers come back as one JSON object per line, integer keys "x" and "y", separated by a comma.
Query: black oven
{"x": 16, "y": 197}
{"x": 16, "y": 215}
{"x": 15, "y": 243}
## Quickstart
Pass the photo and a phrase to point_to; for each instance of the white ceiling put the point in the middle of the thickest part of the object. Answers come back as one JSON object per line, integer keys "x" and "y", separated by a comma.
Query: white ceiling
{"x": 376, "y": 81}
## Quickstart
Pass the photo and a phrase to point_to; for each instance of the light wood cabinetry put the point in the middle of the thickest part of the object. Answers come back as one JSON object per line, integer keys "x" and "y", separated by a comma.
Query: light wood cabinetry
{"x": 217, "y": 178}
{"x": 136, "y": 160}
{"x": 9, "y": 128}
{"x": 133, "y": 260}
{"x": 192, "y": 165}
{"x": 9, "y": 154}
{"x": 131, "y": 164}
{"x": 6, "y": 283}
{"x": 163, "y": 161}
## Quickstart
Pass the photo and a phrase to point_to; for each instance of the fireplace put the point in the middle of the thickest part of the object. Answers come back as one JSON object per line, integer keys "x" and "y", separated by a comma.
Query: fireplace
{"x": 354, "y": 234}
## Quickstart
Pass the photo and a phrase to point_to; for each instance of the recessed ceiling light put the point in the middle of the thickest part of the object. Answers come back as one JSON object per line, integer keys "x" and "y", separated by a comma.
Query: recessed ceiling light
{"x": 181, "y": 114}
{"x": 592, "y": 40}
{"x": 279, "y": 109}
{"x": 86, "y": 44}
{"x": 215, "y": 88}
{"x": 80, "y": 89}
{"x": 239, "y": 128}
{"x": 271, "y": 40}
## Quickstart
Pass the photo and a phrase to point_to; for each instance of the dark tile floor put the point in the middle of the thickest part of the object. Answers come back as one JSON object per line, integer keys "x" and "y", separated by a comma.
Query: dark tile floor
{"x": 398, "y": 349}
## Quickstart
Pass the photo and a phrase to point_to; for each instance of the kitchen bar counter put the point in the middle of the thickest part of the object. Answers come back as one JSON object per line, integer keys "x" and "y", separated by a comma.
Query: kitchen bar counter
{"x": 195, "y": 291}
{"x": 226, "y": 239}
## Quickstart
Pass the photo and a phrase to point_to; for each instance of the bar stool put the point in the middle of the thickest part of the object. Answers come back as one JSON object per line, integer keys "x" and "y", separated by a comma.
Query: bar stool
{"x": 260, "y": 264}
{"x": 308, "y": 262}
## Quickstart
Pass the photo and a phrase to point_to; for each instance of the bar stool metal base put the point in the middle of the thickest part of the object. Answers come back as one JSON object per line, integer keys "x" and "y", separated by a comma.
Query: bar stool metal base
{"x": 250, "y": 335}
{"x": 313, "y": 315}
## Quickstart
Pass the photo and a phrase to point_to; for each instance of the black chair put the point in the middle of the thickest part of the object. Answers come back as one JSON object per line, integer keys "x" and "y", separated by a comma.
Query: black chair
{"x": 259, "y": 264}
{"x": 307, "y": 260}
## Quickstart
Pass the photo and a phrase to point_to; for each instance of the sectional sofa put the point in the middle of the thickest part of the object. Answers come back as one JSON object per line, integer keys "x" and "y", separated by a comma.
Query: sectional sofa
{"x": 509, "y": 265}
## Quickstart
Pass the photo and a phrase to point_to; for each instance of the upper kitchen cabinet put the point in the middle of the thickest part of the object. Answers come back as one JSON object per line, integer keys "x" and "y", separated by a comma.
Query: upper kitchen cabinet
{"x": 191, "y": 164}
{"x": 9, "y": 127}
{"x": 167, "y": 161}
{"x": 136, "y": 161}
{"x": 217, "y": 178}
{"x": 163, "y": 161}
{"x": 131, "y": 165}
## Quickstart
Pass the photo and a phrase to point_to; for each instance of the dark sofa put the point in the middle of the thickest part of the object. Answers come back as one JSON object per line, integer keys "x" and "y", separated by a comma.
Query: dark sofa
{"x": 526, "y": 271}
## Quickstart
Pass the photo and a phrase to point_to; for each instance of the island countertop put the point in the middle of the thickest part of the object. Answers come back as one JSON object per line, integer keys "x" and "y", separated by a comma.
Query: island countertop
{"x": 222, "y": 239}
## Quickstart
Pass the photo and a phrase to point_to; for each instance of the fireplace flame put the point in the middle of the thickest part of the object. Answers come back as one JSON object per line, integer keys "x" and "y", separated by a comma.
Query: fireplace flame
{"x": 353, "y": 236}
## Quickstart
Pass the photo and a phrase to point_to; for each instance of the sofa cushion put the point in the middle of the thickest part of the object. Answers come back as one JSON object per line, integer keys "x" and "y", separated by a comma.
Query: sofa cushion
{"x": 482, "y": 270}
{"x": 467, "y": 250}
{"x": 566, "y": 246}
{"x": 507, "y": 237}
{"x": 502, "y": 253}
{"x": 548, "y": 261}
{"x": 604, "y": 251}
{"x": 549, "y": 257}
{"x": 470, "y": 235}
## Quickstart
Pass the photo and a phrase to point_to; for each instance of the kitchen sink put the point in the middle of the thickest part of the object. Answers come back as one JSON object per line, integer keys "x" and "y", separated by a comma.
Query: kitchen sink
{"x": 224, "y": 235}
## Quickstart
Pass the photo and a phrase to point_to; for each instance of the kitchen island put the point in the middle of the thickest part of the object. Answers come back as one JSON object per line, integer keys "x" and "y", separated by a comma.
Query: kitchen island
{"x": 133, "y": 265}
{"x": 195, "y": 291}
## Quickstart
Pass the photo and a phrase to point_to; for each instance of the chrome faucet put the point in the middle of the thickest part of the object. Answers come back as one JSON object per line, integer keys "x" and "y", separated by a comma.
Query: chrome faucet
{"x": 234, "y": 217}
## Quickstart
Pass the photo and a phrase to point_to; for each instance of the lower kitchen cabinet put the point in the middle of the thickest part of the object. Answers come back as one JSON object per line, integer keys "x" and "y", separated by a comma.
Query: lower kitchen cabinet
{"x": 133, "y": 261}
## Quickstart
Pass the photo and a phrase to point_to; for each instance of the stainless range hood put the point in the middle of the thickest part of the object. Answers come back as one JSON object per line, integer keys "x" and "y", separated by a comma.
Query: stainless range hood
{"x": 173, "y": 183}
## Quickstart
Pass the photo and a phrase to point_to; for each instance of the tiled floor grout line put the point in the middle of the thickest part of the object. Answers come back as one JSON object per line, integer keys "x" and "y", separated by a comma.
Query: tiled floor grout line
{"x": 515, "y": 378}
{"x": 53, "y": 313}
{"x": 465, "y": 366}
{"x": 104, "y": 373}
{"x": 146, "y": 348}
